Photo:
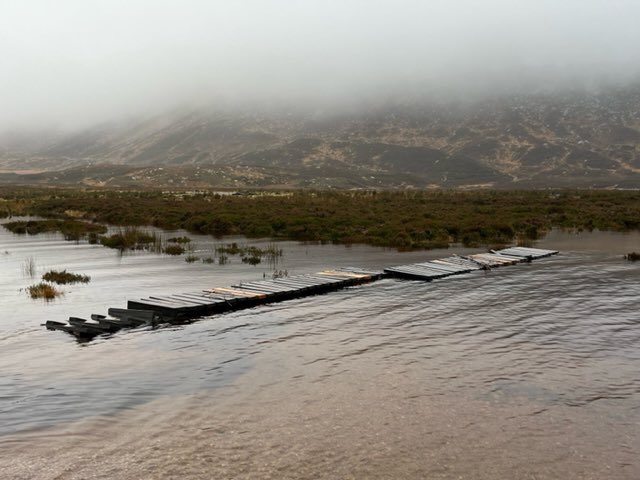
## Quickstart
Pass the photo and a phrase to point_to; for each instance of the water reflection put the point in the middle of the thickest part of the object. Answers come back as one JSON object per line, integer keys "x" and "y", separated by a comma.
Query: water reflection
{"x": 528, "y": 370}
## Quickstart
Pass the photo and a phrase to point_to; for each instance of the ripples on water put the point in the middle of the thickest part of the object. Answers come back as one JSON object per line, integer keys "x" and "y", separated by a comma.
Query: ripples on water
{"x": 558, "y": 339}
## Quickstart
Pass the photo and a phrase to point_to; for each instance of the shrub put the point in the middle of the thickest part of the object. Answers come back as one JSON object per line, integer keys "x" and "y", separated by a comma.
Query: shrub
{"x": 252, "y": 260}
{"x": 43, "y": 290}
{"x": 174, "y": 249}
{"x": 129, "y": 238}
{"x": 179, "y": 240}
{"x": 63, "y": 277}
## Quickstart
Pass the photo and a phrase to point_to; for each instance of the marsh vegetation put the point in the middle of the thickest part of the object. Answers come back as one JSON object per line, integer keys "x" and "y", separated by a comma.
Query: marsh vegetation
{"x": 29, "y": 267}
{"x": 71, "y": 229}
{"x": 400, "y": 219}
{"x": 62, "y": 277}
{"x": 43, "y": 290}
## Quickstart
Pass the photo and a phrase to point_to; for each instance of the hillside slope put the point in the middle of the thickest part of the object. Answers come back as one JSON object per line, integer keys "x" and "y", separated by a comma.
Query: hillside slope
{"x": 577, "y": 139}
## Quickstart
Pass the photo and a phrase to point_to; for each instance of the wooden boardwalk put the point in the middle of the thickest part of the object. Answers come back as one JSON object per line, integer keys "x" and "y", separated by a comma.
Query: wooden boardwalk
{"x": 457, "y": 264}
{"x": 249, "y": 294}
{"x": 182, "y": 307}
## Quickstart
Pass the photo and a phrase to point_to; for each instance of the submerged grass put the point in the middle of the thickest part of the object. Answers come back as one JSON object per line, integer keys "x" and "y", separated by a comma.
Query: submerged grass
{"x": 43, "y": 290}
{"x": 129, "y": 238}
{"x": 173, "y": 249}
{"x": 63, "y": 277}
{"x": 179, "y": 240}
{"x": 29, "y": 267}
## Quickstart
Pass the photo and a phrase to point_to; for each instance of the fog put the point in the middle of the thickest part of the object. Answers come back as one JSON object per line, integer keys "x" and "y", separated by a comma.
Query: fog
{"x": 75, "y": 62}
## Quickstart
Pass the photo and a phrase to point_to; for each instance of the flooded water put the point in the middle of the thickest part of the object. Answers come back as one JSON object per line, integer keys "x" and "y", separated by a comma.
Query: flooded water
{"x": 530, "y": 371}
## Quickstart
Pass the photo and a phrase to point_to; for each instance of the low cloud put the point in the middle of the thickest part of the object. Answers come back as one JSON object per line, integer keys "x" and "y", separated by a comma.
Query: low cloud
{"x": 76, "y": 62}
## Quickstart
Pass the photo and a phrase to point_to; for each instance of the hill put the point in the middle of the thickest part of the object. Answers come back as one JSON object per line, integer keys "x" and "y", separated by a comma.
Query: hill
{"x": 578, "y": 139}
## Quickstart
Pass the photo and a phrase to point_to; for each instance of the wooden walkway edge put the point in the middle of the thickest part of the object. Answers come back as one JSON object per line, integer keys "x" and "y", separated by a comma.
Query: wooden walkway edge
{"x": 183, "y": 307}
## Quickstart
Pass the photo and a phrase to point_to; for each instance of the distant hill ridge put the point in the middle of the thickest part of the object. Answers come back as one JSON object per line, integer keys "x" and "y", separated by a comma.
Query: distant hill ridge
{"x": 554, "y": 140}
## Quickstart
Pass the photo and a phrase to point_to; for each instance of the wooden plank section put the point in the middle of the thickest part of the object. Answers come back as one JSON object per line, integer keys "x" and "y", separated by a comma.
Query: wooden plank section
{"x": 462, "y": 268}
{"x": 268, "y": 285}
{"x": 453, "y": 269}
{"x": 416, "y": 272}
{"x": 236, "y": 292}
{"x": 463, "y": 262}
{"x": 271, "y": 289}
{"x": 491, "y": 260}
{"x": 174, "y": 301}
{"x": 199, "y": 301}
{"x": 293, "y": 283}
{"x": 499, "y": 259}
{"x": 201, "y": 296}
{"x": 337, "y": 273}
{"x": 526, "y": 252}
{"x": 180, "y": 307}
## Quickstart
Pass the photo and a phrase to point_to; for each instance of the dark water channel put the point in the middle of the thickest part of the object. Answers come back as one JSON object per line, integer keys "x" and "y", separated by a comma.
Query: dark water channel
{"x": 529, "y": 371}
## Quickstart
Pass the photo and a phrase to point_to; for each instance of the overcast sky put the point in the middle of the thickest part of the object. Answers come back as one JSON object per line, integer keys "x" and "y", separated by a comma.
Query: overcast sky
{"x": 74, "y": 62}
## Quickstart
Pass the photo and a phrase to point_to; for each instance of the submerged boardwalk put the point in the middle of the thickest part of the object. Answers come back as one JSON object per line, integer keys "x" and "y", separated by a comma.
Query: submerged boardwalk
{"x": 183, "y": 307}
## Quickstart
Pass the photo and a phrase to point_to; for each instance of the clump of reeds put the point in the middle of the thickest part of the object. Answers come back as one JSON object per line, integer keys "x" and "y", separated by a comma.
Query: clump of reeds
{"x": 29, "y": 267}
{"x": 251, "y": 260}
{"x": 633, "y": 256}
{"x": 63, "y": 277}
{"x": 280, "y": 274}
{"x": 208, "y": 260}
{"x": 249, "y": 254}
{"x": 191, "y": 258}
{"x": 129, "y": 238}
{"x": 174, "y": 249}
{"x": 43, "y": 290}
{"x": 179, "y": 240}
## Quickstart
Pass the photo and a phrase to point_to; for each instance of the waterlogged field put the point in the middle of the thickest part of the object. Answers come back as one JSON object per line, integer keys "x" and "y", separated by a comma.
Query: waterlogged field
{"x": 400, "y": 219}
{"x": 529, "y": 371}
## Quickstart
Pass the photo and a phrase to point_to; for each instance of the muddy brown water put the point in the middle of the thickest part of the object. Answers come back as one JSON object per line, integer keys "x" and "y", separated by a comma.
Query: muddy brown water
{"x": 530, "y": 371}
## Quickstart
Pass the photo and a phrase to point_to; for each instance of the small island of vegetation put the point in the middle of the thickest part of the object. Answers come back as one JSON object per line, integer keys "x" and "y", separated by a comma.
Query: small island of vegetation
{"x": 62, "y": 277}
{"x": 43, "y": 290}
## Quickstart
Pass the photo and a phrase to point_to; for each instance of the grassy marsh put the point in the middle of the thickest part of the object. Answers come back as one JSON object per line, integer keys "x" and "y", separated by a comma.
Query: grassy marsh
{"x": 402, "y": 219}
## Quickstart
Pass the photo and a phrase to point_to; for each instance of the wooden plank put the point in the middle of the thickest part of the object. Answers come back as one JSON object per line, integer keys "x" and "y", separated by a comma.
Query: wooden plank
{"x": 325, "y": 279}
{"x": 336, "y": 273}
{"x": 460, "y": 267}
{"x": 293, "y": 283}
{"x": 422, "y": 272}
{"x": 153, "y": 303}
{"x": 266, "y": 288}
{"x": 200, "y": 301}
{"x": 453, "y": 269}
{"x": 462, "y": 261}
{"x": 199, "y": 295}
{"x": 311, "y": 281}
{"x": 236, "y": 292}
{"x": 532, "y": 253}
{"x": 175, "y": 301}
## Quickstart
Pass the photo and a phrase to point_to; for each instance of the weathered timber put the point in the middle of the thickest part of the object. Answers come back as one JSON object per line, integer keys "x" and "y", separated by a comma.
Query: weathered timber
{"x": 183, "y": 307}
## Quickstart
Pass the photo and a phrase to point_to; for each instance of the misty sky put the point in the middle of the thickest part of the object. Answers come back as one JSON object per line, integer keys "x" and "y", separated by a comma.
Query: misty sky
{"x": 74, "y": 62}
